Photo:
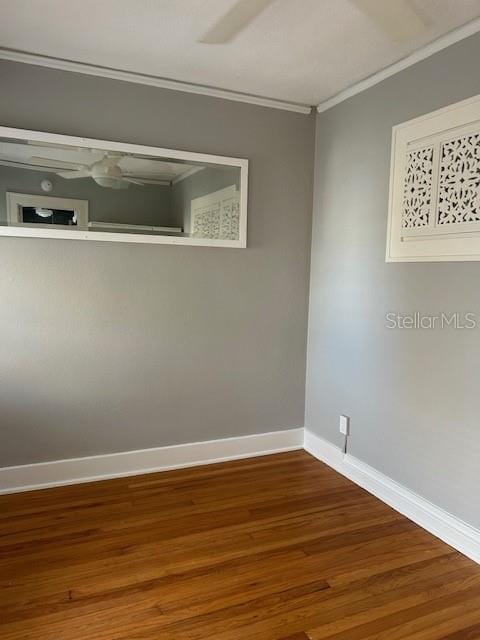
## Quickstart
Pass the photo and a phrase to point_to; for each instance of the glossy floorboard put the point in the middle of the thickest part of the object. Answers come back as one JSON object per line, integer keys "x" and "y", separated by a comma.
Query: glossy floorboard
{"x": 278, "y": 547}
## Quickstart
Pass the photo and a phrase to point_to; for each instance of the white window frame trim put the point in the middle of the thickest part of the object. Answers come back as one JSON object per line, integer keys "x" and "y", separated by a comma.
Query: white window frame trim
{"x": 460, "y": 244}
{"x": 124, "y": 147}
{"x": 16, "y": 200}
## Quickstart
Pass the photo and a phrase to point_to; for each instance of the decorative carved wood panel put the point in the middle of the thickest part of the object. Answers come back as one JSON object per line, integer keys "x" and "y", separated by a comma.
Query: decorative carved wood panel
{"x": 217, "y": 215}
{"x": 417, "y": 203}
{"x": 459, "y": 181}
{"x": 434, "y": 209}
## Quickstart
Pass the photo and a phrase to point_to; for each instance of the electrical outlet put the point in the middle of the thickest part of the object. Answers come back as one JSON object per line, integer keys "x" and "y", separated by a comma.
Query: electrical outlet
{"x": 345, "y": 425}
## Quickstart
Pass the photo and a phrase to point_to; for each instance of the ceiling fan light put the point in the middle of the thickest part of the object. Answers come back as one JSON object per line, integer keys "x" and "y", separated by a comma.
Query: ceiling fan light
{"x": 105, "y": 174}
{"x": 109, "y": 182}
{"x": 44, "y": 213}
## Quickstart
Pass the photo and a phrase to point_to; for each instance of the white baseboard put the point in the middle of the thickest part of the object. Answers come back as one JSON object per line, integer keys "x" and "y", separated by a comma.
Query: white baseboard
{"x": 129, "y": 463}
{"x": 448, "y": 528}
{"x": 324, "y": 451}
{"x": 455, "y": 532}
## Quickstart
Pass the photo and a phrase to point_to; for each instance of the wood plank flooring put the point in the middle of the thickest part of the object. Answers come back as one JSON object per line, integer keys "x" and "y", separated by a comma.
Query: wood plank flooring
{"x": 273, "y": 548}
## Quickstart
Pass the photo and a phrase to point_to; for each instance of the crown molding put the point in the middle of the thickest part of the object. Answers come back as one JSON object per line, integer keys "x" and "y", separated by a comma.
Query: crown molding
{"x": 149, "y": 80}
{"x": 428, "y": 50}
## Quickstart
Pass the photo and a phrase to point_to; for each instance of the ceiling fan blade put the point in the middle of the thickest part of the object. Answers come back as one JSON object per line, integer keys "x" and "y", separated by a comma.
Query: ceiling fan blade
{"x": 53, "y": 145}
{"x": 71, "y": 175}
{"x": 146, "y": 180}
{"x": 26, "y": 165}
{"x": 240, "y": 15}
{"x": 398, "y": 18}
{"x": 53, "y": 162}
{"x": 132, "y": 180}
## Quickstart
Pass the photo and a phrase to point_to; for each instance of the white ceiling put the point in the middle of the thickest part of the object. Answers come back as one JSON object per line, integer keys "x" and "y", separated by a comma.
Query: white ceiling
{"x": 298, "y": 50}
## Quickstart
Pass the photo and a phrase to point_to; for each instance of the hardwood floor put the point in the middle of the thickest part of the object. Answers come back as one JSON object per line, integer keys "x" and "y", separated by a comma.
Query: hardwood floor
{"x": 278, "y": 547}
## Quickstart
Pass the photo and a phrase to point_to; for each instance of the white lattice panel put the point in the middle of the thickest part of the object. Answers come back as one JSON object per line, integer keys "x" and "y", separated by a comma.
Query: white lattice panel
{"x": 417, "y": 201}
{"x": 206, "y": 221}
{"x": 434, "y": 209}
{"x": 230, "y": 220}
{"x": 217, "y": 215}
{"x": 459, "y": 181}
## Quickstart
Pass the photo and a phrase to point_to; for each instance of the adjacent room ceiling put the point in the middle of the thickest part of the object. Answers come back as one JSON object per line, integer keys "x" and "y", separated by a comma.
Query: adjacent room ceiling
{"x": 77, "y": 163}
{"x": 302, "y": 51}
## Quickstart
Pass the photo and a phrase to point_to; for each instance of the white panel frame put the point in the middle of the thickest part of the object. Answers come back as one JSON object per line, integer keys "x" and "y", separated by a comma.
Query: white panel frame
{"x": 461, "y": 243}
{"x": 123, "y": 147}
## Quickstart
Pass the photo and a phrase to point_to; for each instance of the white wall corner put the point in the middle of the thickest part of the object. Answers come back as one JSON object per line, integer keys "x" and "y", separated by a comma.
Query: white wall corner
{"x": 129, "y": 463}
{"x": 455, "y": 532}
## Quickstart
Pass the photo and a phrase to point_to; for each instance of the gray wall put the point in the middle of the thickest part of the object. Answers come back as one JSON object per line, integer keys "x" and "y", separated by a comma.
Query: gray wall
{"x": 109, "y": 347}
{"x": 412, "y": 395}
{"x": 147, "y": 204}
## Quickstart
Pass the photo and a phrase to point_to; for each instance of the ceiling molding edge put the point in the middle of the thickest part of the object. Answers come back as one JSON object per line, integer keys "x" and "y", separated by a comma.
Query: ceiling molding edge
{"x": 428, "y": 50}
{"x": 149, "y": 80}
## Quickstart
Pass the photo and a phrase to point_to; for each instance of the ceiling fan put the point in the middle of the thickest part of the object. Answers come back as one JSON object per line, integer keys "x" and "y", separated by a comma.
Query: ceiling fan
{"x": 105, "y": 172}
{"x": 398, "y": 18}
